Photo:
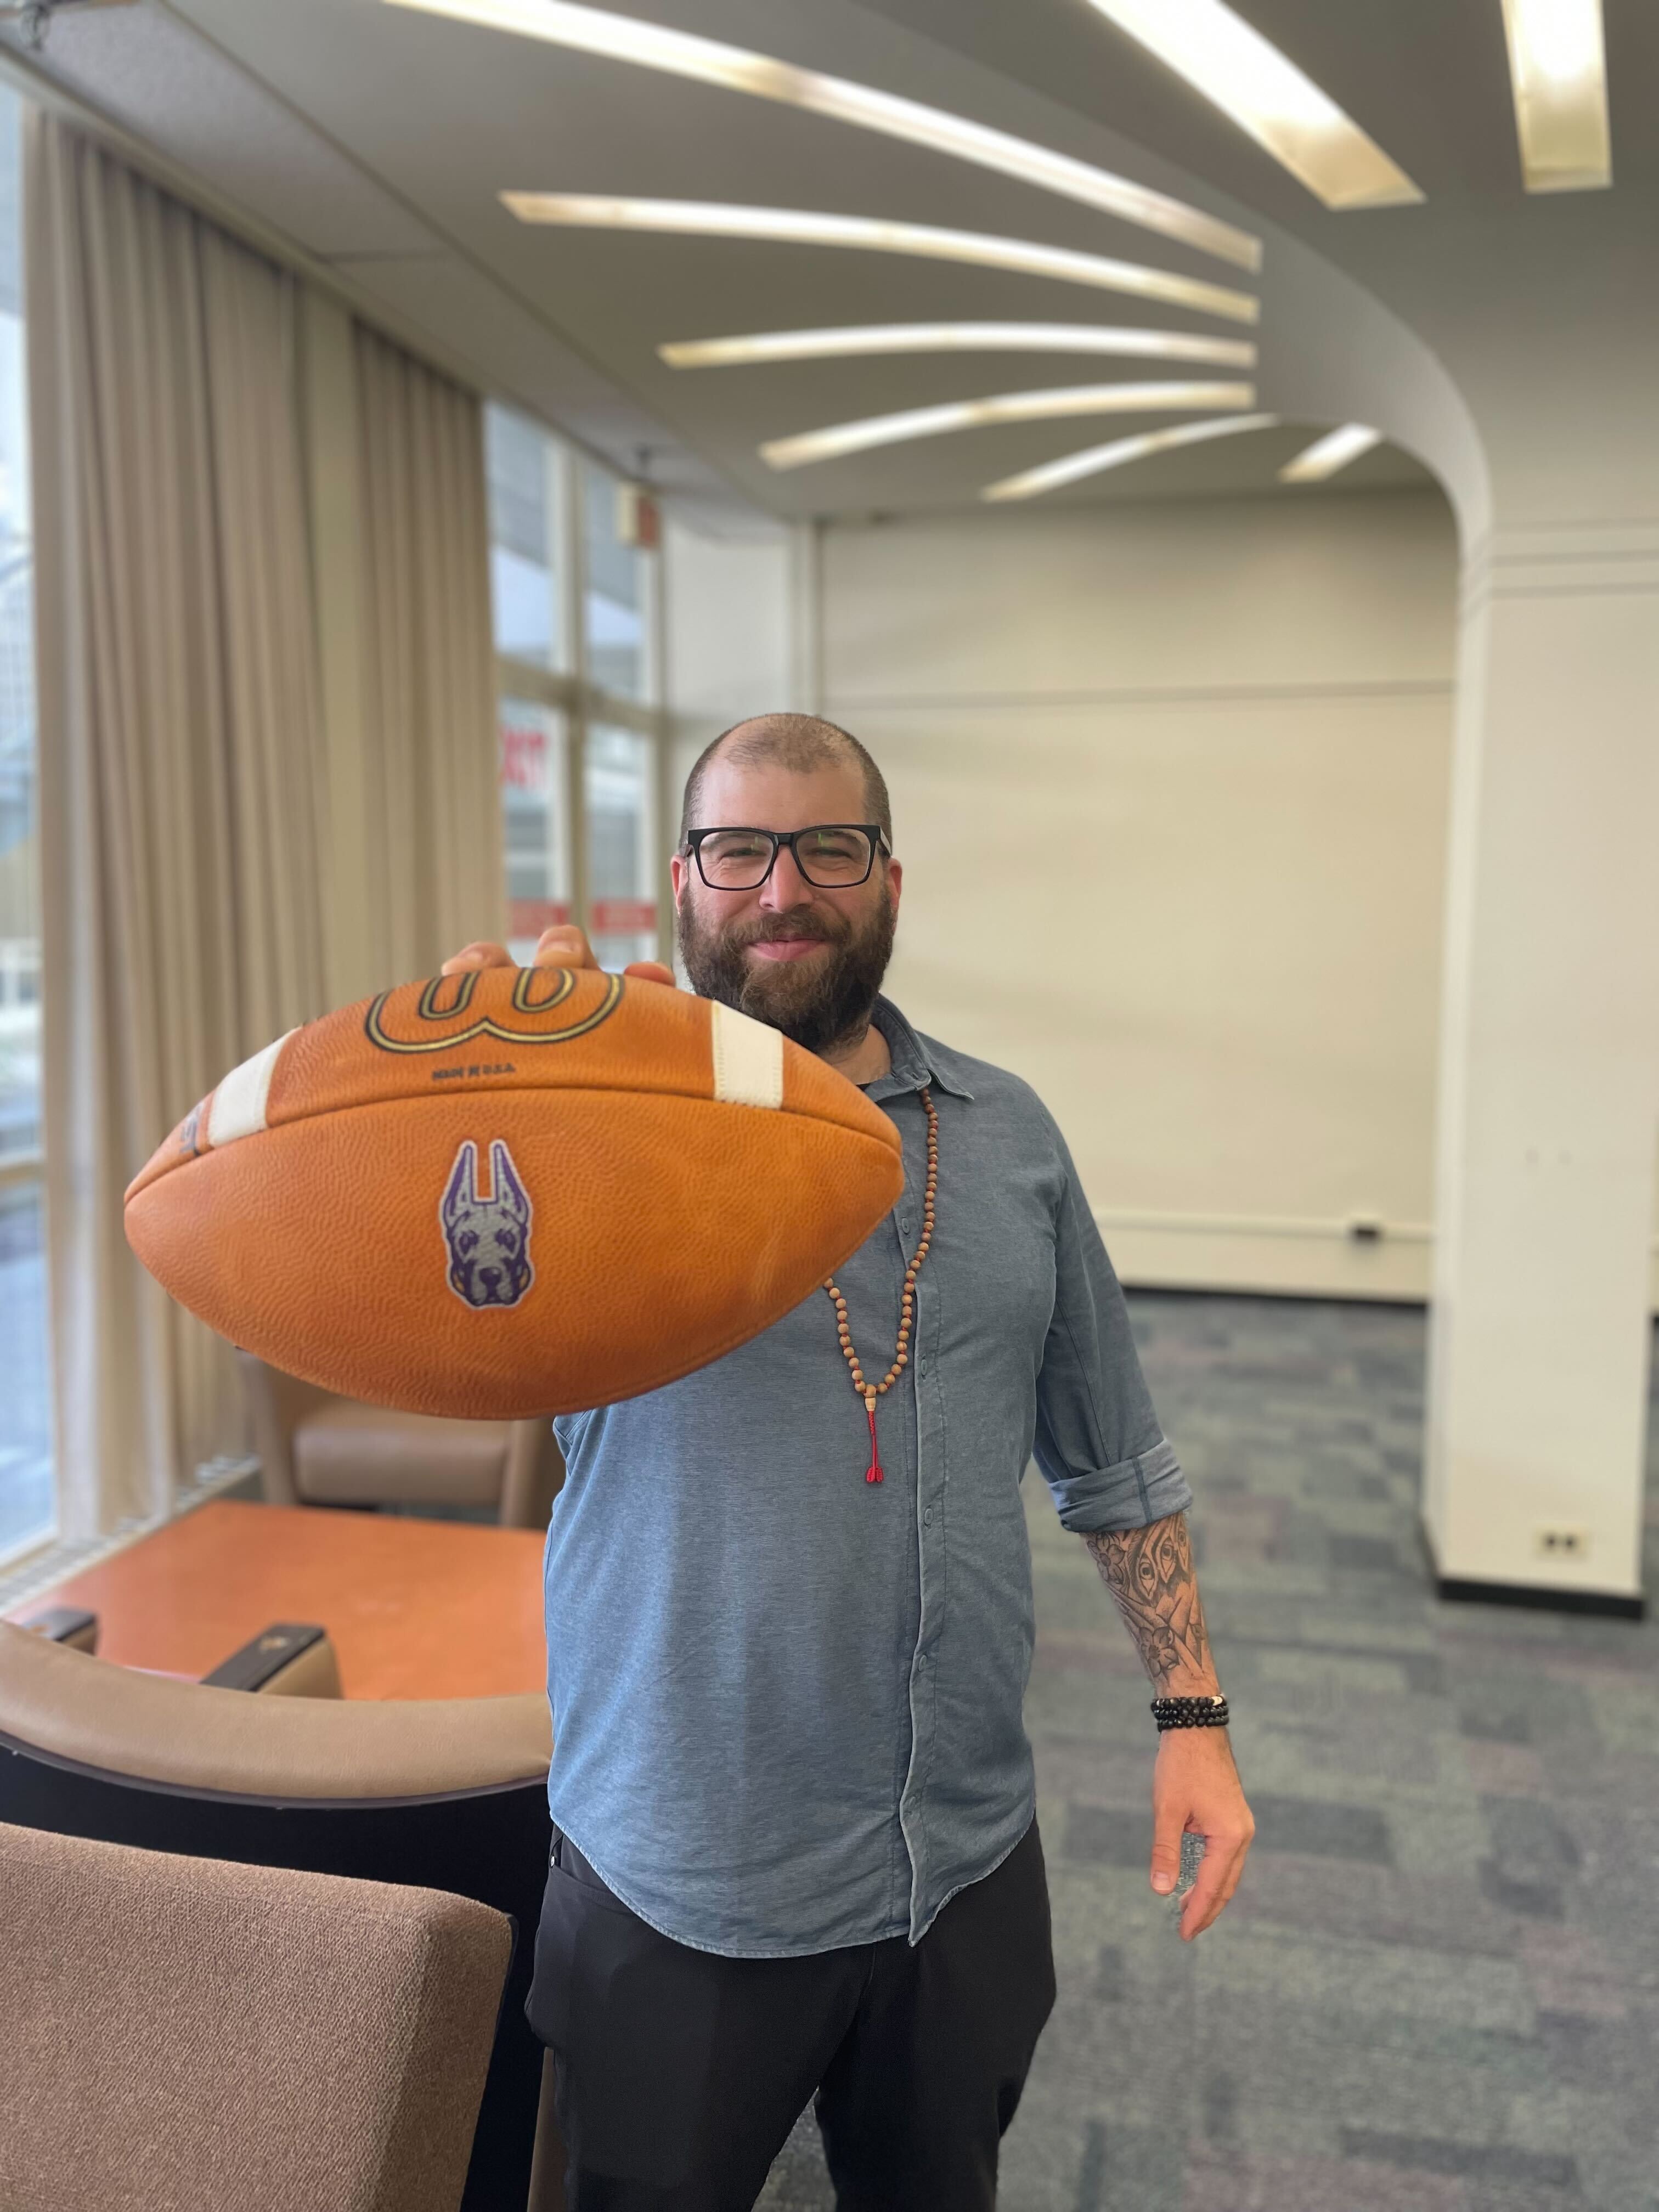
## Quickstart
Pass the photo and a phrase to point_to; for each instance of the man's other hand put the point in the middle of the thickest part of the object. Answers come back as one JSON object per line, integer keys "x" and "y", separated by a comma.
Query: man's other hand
{"x": 1196, "y": 1789}
{"x": 563, "y": 946}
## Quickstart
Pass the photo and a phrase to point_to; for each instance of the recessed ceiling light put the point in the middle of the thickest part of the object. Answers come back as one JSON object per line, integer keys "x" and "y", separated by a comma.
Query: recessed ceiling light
{"x": 1329, "y": 454}
{"x": 1002, "y": 407}
{"x": 625, "y": 38}
{"x": 956, "y": 338}
{"x": 1558, "y": 71}
{"x": 1264, "y": 92}
{"x": 1072, "y": 466}
{"x": 703, "y": 219}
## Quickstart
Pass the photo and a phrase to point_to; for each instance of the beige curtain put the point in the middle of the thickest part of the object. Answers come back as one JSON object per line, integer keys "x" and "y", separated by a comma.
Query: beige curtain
{"x": 434, "y": 851}
{"x": 179, "y": 769}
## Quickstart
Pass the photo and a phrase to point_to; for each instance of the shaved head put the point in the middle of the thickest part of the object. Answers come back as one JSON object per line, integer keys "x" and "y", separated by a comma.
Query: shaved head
{"x": 800, "y": 743}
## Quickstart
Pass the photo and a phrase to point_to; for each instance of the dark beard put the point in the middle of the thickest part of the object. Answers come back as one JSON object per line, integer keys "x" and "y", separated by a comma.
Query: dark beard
{"x": 829, "y": 1006}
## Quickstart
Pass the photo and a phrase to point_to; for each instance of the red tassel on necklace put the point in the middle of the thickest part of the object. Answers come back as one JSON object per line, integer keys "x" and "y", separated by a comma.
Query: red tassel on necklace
{"x": 873, "y": 1473}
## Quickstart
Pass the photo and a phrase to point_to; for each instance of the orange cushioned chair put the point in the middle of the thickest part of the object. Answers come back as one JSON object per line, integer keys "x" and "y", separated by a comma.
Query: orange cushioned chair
{"x": 176, "y": 2031}
{"x": 448, "y": 1794}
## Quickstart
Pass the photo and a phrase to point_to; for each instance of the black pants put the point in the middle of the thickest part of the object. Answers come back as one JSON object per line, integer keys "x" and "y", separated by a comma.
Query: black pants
{"x": 680, "y": 2074}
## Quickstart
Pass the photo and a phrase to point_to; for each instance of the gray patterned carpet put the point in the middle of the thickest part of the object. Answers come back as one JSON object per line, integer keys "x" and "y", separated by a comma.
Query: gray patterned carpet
{"x": 1438, "y": 1990}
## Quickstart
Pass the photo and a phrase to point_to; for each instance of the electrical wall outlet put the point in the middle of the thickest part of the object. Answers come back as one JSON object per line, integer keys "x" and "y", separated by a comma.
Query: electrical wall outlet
{"x": 1556, "y": 1542}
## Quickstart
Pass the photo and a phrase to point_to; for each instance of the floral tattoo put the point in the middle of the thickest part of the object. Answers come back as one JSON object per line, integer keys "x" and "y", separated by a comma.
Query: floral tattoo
{"x": 1151, "y": 1576}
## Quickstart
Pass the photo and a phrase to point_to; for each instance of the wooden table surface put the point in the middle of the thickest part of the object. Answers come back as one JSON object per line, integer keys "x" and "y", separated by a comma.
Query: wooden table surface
{"x": 415, "y": 1608}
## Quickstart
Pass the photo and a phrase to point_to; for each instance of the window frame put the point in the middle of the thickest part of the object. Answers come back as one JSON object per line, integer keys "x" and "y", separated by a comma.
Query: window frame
{"x": 570, "y": 689}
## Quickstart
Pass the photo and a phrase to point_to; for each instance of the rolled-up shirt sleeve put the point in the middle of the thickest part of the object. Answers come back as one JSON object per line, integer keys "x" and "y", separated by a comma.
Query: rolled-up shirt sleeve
{"x": 1098, "y": 1441}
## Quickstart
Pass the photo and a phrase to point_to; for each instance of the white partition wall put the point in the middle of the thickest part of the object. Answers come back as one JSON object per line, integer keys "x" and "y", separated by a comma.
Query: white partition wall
{"x": 1171, "y": 783}
{"x": 1550, "y": 1070}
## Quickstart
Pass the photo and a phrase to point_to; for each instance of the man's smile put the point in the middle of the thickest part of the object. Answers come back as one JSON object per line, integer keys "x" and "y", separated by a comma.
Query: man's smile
{"x": 785, "y": 948}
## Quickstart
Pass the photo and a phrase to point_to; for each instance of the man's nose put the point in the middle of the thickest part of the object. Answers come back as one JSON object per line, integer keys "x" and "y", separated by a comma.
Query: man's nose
{"x": 785, "y": 886}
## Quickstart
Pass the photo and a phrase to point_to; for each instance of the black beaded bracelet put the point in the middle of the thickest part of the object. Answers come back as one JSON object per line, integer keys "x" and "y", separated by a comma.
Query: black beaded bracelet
{"x": 1189, "y": 1712}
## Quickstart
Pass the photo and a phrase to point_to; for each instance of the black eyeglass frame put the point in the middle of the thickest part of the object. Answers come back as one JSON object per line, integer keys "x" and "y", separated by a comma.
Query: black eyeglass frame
{"x": 872, "y": 831}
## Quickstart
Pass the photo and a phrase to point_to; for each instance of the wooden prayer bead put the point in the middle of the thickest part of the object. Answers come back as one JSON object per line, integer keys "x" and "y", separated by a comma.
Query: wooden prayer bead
{"x": 869, "y": 1392}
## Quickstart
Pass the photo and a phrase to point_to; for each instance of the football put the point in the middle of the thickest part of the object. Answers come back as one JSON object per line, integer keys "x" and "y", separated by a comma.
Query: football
{"x": 513, "y": 1192}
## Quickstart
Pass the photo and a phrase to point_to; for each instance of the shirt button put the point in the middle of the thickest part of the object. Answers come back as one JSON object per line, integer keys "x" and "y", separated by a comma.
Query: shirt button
{"x": 928, "y": 1514}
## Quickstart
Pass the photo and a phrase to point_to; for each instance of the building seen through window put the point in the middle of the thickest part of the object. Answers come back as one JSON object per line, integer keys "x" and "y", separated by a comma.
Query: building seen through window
{"x": 27, "y": 1503}
{"x": 622, "y": 846}
{"x": 615, "y": 613}
{"x": 525, "y": 469}
{"x": 535, "y": 801}
{"x": 574, "y": 575}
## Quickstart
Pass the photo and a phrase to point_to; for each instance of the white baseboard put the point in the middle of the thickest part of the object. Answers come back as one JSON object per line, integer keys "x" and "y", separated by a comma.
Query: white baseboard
{"x": 1278, "y": 1256}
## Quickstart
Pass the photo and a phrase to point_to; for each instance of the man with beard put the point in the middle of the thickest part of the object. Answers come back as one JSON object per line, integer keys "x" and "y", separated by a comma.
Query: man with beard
{"x": 789, "y": 1600}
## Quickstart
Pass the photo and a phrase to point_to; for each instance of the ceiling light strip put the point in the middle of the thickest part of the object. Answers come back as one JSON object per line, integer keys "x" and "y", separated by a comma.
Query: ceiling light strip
{"x": 842, "y": 438}
{"x": 769, "y": 346}
{"x": 1558, "y": 73}
{"x": 1262, "y": 90}
{"x": 1072, "y": 467}
{"x": 652, "y": 46}
{"x": 794, "y": 227}
{"x": 1329, "y": 454}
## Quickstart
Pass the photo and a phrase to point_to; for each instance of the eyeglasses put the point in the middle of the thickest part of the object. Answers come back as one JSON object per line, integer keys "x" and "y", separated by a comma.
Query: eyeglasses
{"x": 830, "y": 855}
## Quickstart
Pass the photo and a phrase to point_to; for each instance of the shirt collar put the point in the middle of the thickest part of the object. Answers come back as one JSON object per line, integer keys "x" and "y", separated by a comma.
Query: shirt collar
{"x": 914, "y": 1061}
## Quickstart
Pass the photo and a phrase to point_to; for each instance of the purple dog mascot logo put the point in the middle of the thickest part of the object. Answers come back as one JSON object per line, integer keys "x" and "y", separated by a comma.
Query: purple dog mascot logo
{"x": 488, "y": 1238}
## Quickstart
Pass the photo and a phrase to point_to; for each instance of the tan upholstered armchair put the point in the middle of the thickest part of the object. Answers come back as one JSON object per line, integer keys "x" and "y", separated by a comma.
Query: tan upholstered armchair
{"x": 317, "y": 1450}
{"x": 445, "y": 1795}
{"x": 178, "y": 2030}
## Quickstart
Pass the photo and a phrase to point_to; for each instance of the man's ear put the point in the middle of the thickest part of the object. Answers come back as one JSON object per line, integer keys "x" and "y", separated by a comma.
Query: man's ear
{"x": 678, "y": 869}
{"x": 894, "y": 882}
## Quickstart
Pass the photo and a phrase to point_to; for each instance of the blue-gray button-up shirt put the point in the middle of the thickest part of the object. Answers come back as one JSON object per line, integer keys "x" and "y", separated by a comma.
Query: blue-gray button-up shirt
{"x": 787, "y": 1702}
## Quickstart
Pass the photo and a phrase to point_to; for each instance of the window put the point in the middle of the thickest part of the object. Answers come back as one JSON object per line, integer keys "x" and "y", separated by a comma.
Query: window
{"x": 536, "y": 802}
{"x": 573, "y": 574}
{"x": 27, "y": 1501}
{"x": 615, "y": 610}
{"x": 620, "y": 773}
{"x": 525, "y": 468}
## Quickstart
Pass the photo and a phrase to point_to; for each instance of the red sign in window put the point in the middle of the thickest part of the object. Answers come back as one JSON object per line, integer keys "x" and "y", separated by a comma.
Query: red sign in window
{"x": 624, "y": 917}
{"x": 524, "y": 757}
{"x": 529, "y": 917}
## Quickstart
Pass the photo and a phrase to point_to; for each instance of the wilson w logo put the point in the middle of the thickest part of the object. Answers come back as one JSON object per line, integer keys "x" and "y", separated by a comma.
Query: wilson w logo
{"x": 546, "y": 1005}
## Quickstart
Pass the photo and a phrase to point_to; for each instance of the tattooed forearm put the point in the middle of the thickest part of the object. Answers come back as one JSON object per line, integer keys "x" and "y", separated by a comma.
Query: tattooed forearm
{"x": 1151, "y": 1576}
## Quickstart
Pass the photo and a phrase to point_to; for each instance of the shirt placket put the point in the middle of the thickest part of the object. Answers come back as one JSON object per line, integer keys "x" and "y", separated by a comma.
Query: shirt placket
{"x": 930, "y": 1464}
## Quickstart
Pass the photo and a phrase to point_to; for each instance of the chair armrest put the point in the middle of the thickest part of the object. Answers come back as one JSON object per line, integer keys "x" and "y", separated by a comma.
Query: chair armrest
{"x": 63, "y": 1624}
{"x": 289, "y": 1659}
{"x": 533, "y": 1476}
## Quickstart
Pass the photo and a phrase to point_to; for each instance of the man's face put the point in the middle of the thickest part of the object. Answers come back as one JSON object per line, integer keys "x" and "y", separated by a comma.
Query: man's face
{"x": 806, "y": 960}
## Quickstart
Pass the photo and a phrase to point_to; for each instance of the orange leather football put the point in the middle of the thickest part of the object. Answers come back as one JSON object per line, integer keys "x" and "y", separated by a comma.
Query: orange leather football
{"x": 521, "y": 1191}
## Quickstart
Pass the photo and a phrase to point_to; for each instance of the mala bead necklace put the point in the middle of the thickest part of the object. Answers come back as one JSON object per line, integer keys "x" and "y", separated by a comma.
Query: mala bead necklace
{"x": 870, "y": 1391}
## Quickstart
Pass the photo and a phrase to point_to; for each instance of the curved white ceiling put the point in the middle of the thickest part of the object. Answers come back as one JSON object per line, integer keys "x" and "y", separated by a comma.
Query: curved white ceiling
{"x": 877, "y": 234}
{"x": 849, "y": 341}
{"x": 842, "y": 438}
{"x": 1404, "y": 318}
{"x": 1095, "y": 460}
{"x": 626, "y": 38}
{"x": 1256, "y": 85}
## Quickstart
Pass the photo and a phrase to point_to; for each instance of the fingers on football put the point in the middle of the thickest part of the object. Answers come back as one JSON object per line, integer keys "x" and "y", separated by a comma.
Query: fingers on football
{"x": 649, "y": 971}
{"x": 564, "y": 945}
{"x": 478, "y": 954}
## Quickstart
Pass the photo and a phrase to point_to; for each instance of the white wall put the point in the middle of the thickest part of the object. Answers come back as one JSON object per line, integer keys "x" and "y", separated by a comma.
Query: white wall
{"x": 728, "y": 636}
{"x": 1172, "y": 788}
